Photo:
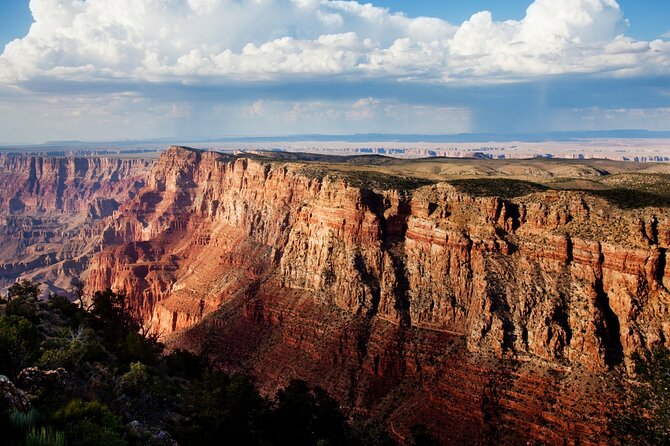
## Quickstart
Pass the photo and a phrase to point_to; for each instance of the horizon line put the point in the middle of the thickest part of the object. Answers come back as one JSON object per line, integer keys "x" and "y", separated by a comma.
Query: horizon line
{"x": 471, "y": 137}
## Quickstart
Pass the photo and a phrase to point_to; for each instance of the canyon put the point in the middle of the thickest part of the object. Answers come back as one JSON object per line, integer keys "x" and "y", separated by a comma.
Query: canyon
{"x": 490, "y": 310}
{"x": 53, "y": 211}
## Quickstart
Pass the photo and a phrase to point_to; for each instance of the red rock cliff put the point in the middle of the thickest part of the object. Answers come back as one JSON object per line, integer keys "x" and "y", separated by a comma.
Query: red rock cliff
{"x": 46, "y": 184}
{"x": 368, "y": 292}
{"x": 52, "y": 209}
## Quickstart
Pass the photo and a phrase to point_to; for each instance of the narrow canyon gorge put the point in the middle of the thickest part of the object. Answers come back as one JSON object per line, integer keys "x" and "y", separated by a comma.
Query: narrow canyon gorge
{"x": 483, "y": 317}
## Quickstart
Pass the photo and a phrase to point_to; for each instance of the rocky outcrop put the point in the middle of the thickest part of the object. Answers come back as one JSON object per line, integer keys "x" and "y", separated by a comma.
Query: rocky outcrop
{"x": 52, "y": 212}
{"x": 33, "y": 380}
{"x": 11, "y": 397}
{"x": 394, "y": 299}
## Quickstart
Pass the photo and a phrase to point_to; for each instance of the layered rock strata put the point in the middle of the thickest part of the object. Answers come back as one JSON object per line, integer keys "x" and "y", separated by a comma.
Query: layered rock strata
{"x": 53, "y": 212}
{"x": 497, "y": 316}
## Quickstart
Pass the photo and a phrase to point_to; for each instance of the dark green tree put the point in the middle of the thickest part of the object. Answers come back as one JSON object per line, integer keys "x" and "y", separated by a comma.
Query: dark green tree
{"x": 305, "y": 416}
{"x": 19, "y": 344}
{"x": 221, "y": 406}
{"x": 122, "y": 332}
{"x": 23, "y": 289}
{"x": 22, "y": 300}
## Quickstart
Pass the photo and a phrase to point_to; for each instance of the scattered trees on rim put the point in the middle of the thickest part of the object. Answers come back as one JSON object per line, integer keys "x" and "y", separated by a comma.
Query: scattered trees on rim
{"x": 95, "y": 378}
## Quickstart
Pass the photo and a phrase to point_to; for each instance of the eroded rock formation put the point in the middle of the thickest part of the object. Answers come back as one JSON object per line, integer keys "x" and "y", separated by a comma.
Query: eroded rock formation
{"x": 52, "y": 211}
{"x": 493, "y": 317}
{"x": 486, "y": 318}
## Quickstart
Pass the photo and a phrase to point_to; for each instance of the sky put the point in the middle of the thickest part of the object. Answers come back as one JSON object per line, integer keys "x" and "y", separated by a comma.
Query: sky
{"x": 133, "y": 69}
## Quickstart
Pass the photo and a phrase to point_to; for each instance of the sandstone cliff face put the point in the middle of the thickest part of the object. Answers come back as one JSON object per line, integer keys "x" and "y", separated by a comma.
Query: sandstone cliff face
{"x": 557, "y": 275}
{"x": 44, "y": 184}
{"x": 52, "y": 211}
{"x": 377, "y": 295}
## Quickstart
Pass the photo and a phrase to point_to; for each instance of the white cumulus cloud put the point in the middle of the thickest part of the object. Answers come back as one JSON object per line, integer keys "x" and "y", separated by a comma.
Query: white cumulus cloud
{"x": 217, "y": 40}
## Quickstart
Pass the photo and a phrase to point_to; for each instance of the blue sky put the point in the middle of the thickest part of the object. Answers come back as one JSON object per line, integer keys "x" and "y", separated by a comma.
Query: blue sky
{"x": 648, "y": 18}
{"x": 137, "y": 68}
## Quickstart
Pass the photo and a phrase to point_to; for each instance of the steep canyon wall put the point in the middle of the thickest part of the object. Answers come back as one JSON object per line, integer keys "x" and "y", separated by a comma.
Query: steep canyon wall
{"x": 52, "y": 213}
{"x": 493, "y": 316}
{"x": 489, "y": 319}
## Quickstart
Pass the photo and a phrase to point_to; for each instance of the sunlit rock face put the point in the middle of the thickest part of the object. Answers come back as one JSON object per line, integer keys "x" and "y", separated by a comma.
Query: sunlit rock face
{"x": 53, "y": 211}
{"x": 482, "y": 317}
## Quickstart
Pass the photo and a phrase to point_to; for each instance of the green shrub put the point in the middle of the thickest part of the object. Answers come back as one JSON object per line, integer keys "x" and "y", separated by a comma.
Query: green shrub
{"x": 23, "y": 420}
{"x": 115, "y": 374}
{"x": 45, "y": 436}
{"x": 71, "y": 349}
{"x": 25, "y": 307}
{"x": 135, "y": 380}
{"x": 19, "y": 344}
{"x": 90, "y": 424}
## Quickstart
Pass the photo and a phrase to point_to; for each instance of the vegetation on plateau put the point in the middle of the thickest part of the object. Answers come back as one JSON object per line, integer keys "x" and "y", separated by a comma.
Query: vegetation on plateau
{"x": 626, "y": 187}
